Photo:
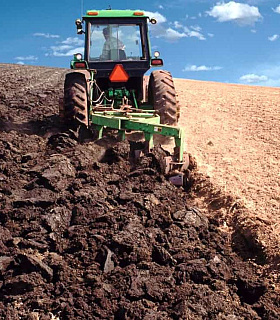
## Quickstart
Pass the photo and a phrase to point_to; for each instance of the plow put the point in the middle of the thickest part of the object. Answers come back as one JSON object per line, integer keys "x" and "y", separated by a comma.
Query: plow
{"x": 106, "y": 87}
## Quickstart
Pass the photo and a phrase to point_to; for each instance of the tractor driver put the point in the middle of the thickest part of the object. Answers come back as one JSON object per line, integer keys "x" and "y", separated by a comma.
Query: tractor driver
{"x": 111, "y": 43}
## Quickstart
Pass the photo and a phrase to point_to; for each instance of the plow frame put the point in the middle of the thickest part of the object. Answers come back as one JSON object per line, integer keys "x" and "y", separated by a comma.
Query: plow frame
{"x": 146, "y": 121}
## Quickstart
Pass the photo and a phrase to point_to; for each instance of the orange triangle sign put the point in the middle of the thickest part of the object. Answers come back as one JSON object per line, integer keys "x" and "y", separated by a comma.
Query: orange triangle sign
{"x": 118, "y": 74}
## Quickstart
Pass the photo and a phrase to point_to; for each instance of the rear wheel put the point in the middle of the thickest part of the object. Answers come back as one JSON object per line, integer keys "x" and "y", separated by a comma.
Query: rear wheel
{"x": 75, "y": 98}
{"x": 162, "y": 96}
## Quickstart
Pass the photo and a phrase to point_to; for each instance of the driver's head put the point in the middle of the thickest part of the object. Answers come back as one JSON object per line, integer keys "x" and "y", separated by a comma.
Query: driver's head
{"x": 106, "y": 32}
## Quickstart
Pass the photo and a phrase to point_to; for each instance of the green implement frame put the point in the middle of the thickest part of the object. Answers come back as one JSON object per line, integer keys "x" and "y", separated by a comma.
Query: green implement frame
{"x": 146, "y": 121}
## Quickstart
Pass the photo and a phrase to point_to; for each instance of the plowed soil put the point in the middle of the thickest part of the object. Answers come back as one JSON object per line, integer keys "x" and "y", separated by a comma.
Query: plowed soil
{"x": 87, "y": 234}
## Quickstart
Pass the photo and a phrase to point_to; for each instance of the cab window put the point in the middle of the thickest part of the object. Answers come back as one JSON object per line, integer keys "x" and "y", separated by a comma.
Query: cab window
{"x": 115, "y": 42}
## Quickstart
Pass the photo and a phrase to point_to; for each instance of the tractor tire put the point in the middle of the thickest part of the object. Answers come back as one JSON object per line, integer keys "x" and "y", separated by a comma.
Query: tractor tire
{"x": 75, "y": 106}
{"x": 162, "y": 96}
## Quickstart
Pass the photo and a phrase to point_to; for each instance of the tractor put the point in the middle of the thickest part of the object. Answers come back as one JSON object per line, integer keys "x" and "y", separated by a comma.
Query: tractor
{"x": 107, "y": 87}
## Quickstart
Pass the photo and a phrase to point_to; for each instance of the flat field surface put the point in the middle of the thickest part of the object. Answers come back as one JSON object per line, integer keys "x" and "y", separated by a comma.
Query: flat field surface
{"x": 233, "y": 132}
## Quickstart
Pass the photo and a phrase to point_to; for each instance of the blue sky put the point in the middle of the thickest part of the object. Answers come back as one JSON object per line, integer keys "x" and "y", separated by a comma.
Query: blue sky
{"x": 225, "y": 41}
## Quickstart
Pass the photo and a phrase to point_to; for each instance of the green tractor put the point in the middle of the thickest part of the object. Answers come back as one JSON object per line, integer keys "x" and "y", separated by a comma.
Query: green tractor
{"x": 107, "y": 87}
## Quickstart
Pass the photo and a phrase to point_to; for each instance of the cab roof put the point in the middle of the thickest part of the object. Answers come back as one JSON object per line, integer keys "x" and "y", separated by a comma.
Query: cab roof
{"x": 115, "y": 14}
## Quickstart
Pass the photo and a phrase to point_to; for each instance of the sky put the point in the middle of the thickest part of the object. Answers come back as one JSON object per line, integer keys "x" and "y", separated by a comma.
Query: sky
{"x": 224, "y": 41}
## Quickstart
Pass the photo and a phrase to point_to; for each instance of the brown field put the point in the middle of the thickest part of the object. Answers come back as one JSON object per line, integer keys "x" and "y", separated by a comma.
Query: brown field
{"x": 233, "y": 132}
{"x": 86, "y": 233}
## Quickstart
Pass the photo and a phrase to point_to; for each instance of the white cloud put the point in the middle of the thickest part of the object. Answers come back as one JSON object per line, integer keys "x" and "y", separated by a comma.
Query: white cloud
{"x": 45, "y": 35}
{"x": 195, "y": 32}
{"x": 196, "y": 28}
{"x": 271, "y": 72}
{"x": 20, "y": 62}
{"x": 73, "y": 41}
{"x": 240, "y": 13}
{"x": 159, "y": 17}
{"x": 211, "y": 35}
{"x": 195, "y": 68}
{"x": 161, "y": 7}
{"x": 65, "y": 51}
{"x": 173, "y": 35}
{"x": 67, "y": 47}
{"x": 196, "y": 35}
{"x": 253, "y": 78}
{"x": 62, "y": 47}
{"x": 274, "y": 37}
{"x": 27, "y": 58}
{"x": 267, "y": 76}
{"x": 277, "y": 9}
{"x": 178, "y": 25}
{"x": 159, "y": 30}
{"x": 254, "y": 31}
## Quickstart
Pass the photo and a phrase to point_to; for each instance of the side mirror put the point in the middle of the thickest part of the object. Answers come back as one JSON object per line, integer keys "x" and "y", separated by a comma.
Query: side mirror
{"x": 78, "y": 23}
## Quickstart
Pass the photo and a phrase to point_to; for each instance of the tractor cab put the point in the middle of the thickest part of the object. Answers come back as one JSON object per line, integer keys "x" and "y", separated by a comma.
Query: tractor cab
{"x": 116, "y": 37}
